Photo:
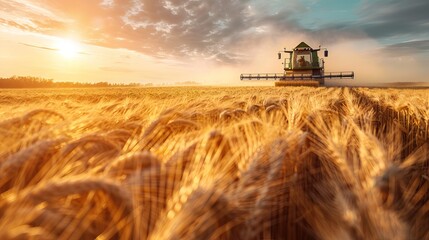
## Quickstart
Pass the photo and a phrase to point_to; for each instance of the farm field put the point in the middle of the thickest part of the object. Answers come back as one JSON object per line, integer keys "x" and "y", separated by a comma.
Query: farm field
{"x": 214, "y": 163}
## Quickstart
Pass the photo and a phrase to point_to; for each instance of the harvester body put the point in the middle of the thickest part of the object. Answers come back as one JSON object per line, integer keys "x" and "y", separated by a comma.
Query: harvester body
{"x": 302, "y": 66}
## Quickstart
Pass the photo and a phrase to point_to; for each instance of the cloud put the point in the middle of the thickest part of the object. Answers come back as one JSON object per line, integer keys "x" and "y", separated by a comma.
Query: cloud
{"x": 222, "y": 31}
{"x": 407, "y": 48}
{"x": 395, "y": 17}
{"x": 28, "y": 17}
{"x": 400, "y": 27}
{"x": 48, "y": 48}
{"x": 40, "y": 47}
{"x": 192, "y": 29}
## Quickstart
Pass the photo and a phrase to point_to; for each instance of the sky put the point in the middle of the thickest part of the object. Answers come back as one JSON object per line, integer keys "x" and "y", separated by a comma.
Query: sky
{"x": 209, "y": 41}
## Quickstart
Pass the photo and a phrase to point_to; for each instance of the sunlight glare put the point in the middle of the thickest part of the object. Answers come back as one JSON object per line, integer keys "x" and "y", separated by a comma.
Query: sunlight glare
{"x": 67, "y": 48}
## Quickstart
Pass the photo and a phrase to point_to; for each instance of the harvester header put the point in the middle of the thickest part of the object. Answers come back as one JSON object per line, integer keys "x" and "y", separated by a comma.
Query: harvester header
{"x": 302, "y": 67}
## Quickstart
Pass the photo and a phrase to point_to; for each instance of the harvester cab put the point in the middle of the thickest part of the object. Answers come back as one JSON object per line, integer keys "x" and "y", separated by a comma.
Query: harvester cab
{"x": 302, "y": 67}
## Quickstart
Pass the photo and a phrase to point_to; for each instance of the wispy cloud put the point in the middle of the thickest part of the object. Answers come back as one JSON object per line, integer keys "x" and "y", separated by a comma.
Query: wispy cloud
{"x": 39, "y": 47}
{"x": 395, "y": 17}
{"x": 48, "y": 48}
{"x": 407, "y": 48}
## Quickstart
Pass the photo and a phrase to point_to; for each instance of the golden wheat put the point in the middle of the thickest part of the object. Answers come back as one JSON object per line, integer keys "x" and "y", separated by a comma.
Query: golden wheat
{"x": 214, "y": 163}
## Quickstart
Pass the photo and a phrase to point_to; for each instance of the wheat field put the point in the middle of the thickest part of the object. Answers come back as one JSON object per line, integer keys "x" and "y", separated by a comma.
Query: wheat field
{"x": 214, "y": 163}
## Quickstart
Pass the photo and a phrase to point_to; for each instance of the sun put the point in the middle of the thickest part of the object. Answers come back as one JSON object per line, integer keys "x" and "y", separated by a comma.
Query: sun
{"x": 68, "y": 48}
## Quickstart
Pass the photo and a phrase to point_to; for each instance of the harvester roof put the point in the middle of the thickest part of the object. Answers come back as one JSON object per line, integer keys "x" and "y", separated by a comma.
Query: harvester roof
{"x": 303, "y": 46}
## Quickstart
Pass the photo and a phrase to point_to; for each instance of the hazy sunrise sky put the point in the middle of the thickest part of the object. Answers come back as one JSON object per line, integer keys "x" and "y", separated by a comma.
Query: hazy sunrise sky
{"x": 209, "y": 41}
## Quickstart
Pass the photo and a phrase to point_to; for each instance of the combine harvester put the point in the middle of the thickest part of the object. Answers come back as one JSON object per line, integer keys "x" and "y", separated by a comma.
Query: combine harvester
{"x": 302, "y": 67}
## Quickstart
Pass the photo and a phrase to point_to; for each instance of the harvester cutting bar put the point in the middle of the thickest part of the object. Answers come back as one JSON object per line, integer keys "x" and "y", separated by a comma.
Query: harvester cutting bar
{"x": 295, "y": 76}
{"x": 273, "y": 76}
{"x": 338, "y": 75}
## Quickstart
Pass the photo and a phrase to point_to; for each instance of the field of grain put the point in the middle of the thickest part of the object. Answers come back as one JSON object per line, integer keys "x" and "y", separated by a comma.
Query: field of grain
{"x": 214, "y": 163}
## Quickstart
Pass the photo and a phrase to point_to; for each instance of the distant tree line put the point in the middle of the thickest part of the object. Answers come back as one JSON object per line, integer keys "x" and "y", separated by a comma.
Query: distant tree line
{"x": 36, "y": 82}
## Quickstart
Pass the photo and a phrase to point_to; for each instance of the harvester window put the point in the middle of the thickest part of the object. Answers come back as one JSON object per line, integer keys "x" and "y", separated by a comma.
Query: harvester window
{"x": 303, "y": 59}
